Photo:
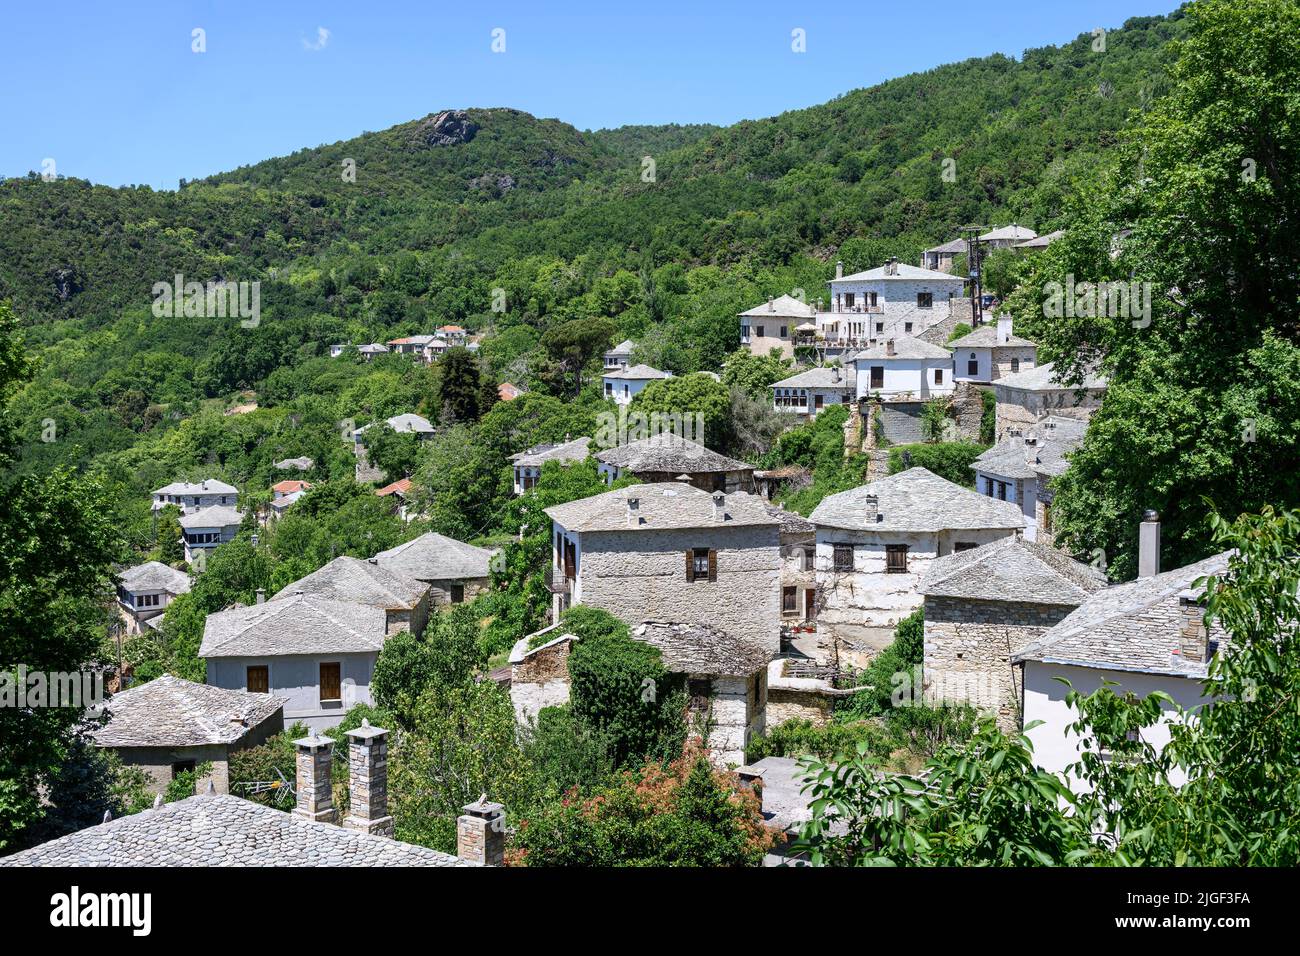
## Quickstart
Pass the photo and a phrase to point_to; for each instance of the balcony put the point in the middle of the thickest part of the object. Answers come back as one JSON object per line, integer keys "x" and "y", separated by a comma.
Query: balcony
{"x": 557, "y": 582}
{"x": 857, "y": 309}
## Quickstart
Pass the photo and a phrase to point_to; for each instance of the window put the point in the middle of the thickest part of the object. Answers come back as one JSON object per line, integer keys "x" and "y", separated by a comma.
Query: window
{"x": 806, "y": 562}
{"x": 147, "y": 600}
{"x": 964, "y": 546}
{"x": 609, "y": 389}
{"x": 843, "y": 557}
{"x": 925, "y": 300}
{"x": 458, "y": 594}
{"x": 1015, "y": 365}
{"x": 848, "y": 300}
{"x": 877, "y": 376}
{"x": 789, "y": 600}
{"x": 938, "y": 376}
{"x": 784, "y": 333}
{"x": 331, "y": 686}
{"x": 973, "y": 365}
{"x": 907, "y": 326}
{"x": 759, "y": 330}
{"x": 895, "y": 559}
{"x": 871, "y": 298}
{"x": 880, "y": 326}
{"x": 701, "y": 564}
{"x": 258, "y": 680}
{"x": 182, "y": 766}
{"x": 1047, "y": 516}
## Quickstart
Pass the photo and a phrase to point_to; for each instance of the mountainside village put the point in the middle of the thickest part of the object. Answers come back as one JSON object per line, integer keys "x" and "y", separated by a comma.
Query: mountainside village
{"x": 762, "y": 611}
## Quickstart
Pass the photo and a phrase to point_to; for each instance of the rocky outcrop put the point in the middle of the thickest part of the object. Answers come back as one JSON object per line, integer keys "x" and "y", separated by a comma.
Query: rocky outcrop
{"x": 446, "y": 129}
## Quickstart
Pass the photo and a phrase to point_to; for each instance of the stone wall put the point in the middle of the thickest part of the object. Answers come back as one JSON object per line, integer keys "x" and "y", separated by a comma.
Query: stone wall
{"x": 736, "y": 715}
{"x": 788, "y": 703}
{"x": 1019, "y": 408}
{"x": 440, "y": 590}
{"x": 900, "y": 422}
{"x": 968, "y": 648}
{"x": 540, "y": 680}
{"x": 1004, "y": 355}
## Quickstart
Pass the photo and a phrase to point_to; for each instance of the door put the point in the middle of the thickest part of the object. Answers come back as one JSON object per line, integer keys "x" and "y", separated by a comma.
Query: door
{"x": 259, "y": 681}
{"x": 331, "y": 686}
{"x": 877, "y": 376}
{"x": 818, "y": 401}
{"x": 809, "y": 604}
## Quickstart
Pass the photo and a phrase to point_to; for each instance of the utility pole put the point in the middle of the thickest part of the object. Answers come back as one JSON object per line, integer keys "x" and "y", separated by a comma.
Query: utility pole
{"x": 974, "y": 261}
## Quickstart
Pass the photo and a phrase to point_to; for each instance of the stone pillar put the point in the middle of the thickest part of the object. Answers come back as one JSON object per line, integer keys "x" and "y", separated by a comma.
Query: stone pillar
{"x": 313, "y": 786}
{"x": 368, "y": 781}
{"x": 481, "y": 833}
{"x": 1193, "y": 638}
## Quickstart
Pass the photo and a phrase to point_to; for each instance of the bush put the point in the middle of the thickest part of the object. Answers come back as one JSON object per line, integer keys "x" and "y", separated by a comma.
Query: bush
{"x": 903, "y": 654}
{"x": 566, "y": 754}
{"x": 950, "y": 460}
{"x": 989, "y": 420}
{"x": 267, "y": 762}
{"x": 448, "y": 655}
{"x": 803, "y": 738}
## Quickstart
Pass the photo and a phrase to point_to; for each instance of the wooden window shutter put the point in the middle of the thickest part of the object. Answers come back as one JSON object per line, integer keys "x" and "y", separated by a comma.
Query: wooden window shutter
{"x": 690, "y": 565}
{"x": 258, "y": 680}
{"x": 713, "y": 564}
{"x": 330, "y": 688}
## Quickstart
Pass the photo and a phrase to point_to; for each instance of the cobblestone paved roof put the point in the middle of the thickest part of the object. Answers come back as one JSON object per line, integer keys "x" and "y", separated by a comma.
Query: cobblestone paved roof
{"x": 171, "y": 712}
{"x": 361, "y": 582}
{"x": 669, "y": 453}
{"x": 155, "y": 576}
{"x": 294, "y": 624}
{"x": 660, "y": 505}
{"x": 1012, "y": 569}
{"x": 436, "y": 557}
{"x": 915, "y": 500}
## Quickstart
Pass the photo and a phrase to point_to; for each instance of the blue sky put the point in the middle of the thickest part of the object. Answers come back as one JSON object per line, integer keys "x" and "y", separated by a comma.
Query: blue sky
{"x": 113, "y": 92}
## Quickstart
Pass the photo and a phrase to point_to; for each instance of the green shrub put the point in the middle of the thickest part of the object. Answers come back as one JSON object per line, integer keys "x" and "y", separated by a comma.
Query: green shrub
{"x": 566, "y": 754}
{"x": 989, "y": 420}
{"x": 803, "y": 738}
{"x": 902, "y": 656}
{"x": 950, "y": 460}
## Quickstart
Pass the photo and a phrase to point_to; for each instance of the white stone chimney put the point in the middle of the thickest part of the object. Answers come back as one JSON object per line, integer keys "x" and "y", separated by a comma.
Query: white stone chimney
{"x": 719, "y": 506}
{"x": 633, "y": 511}
{"x": 368, "y": 781}
{"x": 1149, "y": 545}
{"x": 889, "y": 347}
{"x": 1004, "y": 329}
{"x": 871, "y": 510}
{"x": 839, "y": 269}
{"x": 261, "y": 595}
{"x": 1194, "y": 639}
{"x": 313, "y": 784}
{"x": 771, "y": 304}
{"x": 481, "y": 833}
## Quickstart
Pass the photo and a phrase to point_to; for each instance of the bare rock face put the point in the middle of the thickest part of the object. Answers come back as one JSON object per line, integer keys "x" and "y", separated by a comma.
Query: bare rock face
{"x": 447, "y": 129}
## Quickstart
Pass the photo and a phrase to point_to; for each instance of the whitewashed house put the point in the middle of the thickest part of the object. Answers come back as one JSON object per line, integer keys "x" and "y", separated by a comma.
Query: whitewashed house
{"x": 876, "y": 541}
{"x": 144, "y": 591}
{"x": 316, "y": 653}
{"x": 889, "y": 301}
{"x": 990, "y": 353}
{"x": 191, "y": 496}
{"x": 903, "y": 367}
{"x": 454, "y": 334}
{"x": 337, "y": 350}
{"x": 455, "y": 571}
{"x": 666, "y": 457}
{"x": 1011, "y": 469}
{"x": 1027, "y": 396}
{"x": 407, "y": 422}
{"x": 774, "y": 325}
{"x": 624, "y": 384}
{"x": 1143, "y": 636}
{"x": 669, "y": 548}
{"x": 204, "y": 531}
{"x": 527, "y": 464}
{"x": 807, "y": 393}
{"x": 620, "y": 356}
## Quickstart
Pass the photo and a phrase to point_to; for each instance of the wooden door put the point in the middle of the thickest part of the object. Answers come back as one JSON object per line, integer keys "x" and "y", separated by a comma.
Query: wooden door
{"x": 259, "y": 681}
{"x": 331, "y": 686}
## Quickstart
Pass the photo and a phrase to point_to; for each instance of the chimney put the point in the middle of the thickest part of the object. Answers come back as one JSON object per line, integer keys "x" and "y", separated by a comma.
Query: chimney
{"x": 1004, "y": 329}
{"x": 719, "y": 506}
{"x": 771, "y": 307}
{"x": 315, "y": 755}
{"x": 368, "y": 781}
{"x": 633, "y": 511}
{"x": 261, "y": 595}
{"x": 839, "y": 269}
{"x": 871, "y": 510}
{"x": 1193, "y": 639}
{"x": 481, "y": 833}
{"x": 835, "y": 374}
{"x": 889, "y": 347}
{"x": 1149, "y": 545}
{"x": 893, "y": 266}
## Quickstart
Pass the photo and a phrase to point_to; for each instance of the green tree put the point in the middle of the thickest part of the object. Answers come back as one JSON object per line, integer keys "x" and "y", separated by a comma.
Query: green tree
{"x": 458, "y": 388}
{"x": 691, "y": 395}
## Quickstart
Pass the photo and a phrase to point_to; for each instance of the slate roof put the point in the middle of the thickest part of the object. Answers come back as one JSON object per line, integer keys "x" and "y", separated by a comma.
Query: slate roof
{"x": 374, "y": 348}
{"x": 623, "y": 348}
{"x": 575, "y": 450}
{"x": 208, "y": 486}
{"x": 436, "y": 557}
{"x": 1012, "y": 569}
{"x": 1041, "y": 242}
{"x": 406, "y": 422}
{"x": 905, "y": 272}
{"x": 782, "y": 307}
{"x": 791, "y": 523}
{"x": 224, "y": 830}
{"x": 215, "y": 516}
{"x": 360, "y": 582}
{"x": 1042, "y": 378}
{"x": 1135, "y": 626}
{"x": 1012, "y": 231}
{"x": 638, "y": 373}
{"x": 301, "y": 464}
{"x": 171, "y": 712}
{"x": 1053, "y": 439}
{"x": 667, "y": 452}
{"x": 915, "y": 500}
{"x": 661, "y": 505}
{"x": 905, "y": 347}
{"x": 986, "y": 337}
{"x": 688, "y": 648}
{"x": 821, "y": 377}
{"x": 294, "y": 624}
{"x": 953, "y": 246}
{"x": 155, "y": 576}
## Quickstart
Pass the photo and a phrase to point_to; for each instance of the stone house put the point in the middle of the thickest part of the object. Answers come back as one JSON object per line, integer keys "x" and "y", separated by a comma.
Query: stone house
{"x": 144, "y": 591}
{"x": 875, "y": 543}
{"x": 880, "y": 303}
{"x": 170, "y": 725}
{"x": 455, "y": 571}
{"x": 984, "y": 604}
{"x": 1028, "y": 396}
{"x": 640, "y": 550}
{"x": 539, "y": 671}
{"x": 624, "y": 384}
{"x": 408, "y": 422}
{"x": 316, "y": 653}
{"x": 990, "y": 353}
{"x": 1143, "y": 636}
{"x": 798, "y": 566}
{"x": 527, "y": 464}
{"x": 808, "y": 392}
{"x": 666, "y": 457}
{"x": 207, "y": 529}
{"x": 1006, "y": 237}
{"x": 1017, "y": 468}
{"x": 403, "y": 599}
{"x": 620, "y": 356}
{"x": 190, "y": 497}
{"x": 773, "y": 325}
{"x": 940, "y": 258}
{"x": 905, "y": 367}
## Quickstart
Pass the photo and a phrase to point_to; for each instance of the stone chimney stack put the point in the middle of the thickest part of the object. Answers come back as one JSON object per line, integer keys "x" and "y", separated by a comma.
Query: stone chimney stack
{"x": 893, "y": 265}
{"x": 313, "y": 784}
{"x": 1149, "y": 545}
{"x": 719, "y": 506}
{"x": 835, "y": 374}
{"x": 481, "y": 833}
{"x": 633, "y": 511}
{"x": 1194, "y": 639}
{"x": 261, "y": 595}
{"x": 839, "y": 269}
{"x": 1004, "y": 329}
{"x": 368, "y": 781}
{"x": 870, "y": 509}
{"x": 889, "y": 347}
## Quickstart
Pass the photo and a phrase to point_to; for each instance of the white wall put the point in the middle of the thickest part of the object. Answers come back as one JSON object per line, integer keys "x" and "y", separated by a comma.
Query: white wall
{"x": 961, "y": 360}
{"x": 898, "y": 295}
{"x": 297, "y": 678}
{"x": 1054, "y": 749}
{"x": 623, "y": 389}
{"x": 916, "y": 376}
{"x": 1021, "y": 491}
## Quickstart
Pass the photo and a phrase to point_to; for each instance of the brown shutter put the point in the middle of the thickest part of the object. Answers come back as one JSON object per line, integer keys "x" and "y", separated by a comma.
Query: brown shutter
{"x": 690, "y": 565}
{"x": 713, "y": 564}
{"x": 258, "y": 680}
{"x": 329, "y": 682}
